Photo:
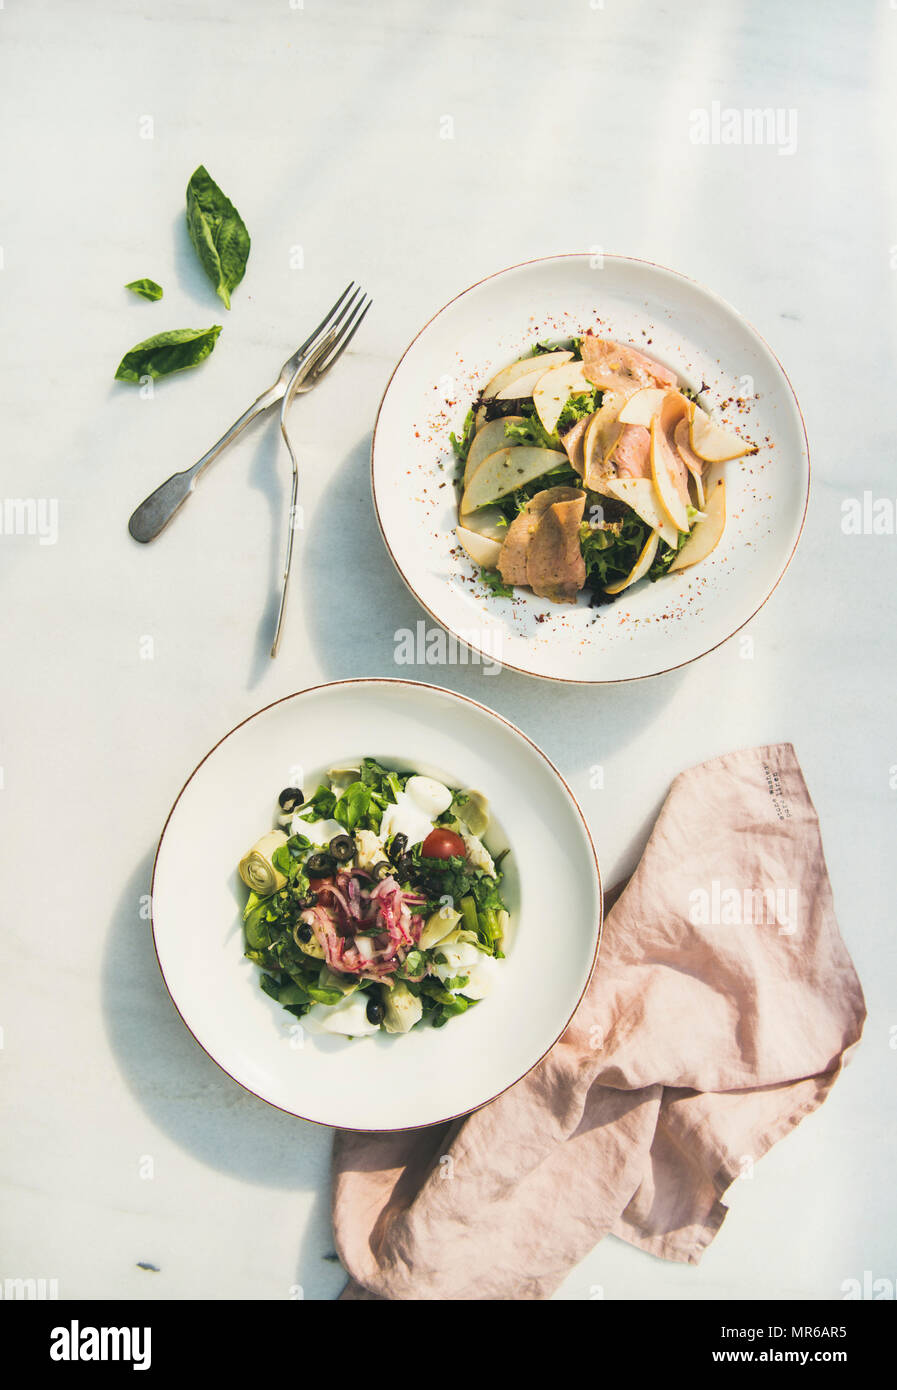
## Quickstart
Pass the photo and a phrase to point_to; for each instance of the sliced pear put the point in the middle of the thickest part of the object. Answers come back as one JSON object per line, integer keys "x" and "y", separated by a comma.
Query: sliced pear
{"x": 485, "y": 442}
{"x": 523, "y": 386}
{"x": 662, "y": 465}
{"x": 540, "y": 361}
{"x": 696, "y": 488}
{"x": 488, "y": 521}
{"x": 481, "y": 549}
{"x": 641, "y": 496}
{"x": 505, "y": 470}
{"x": 711, "y": 442}
{"x": 695, "y": 465}
{"x": 640, "y": 568}
{"x": 602, "y": 436}
{"x": 643, "y": 406}
{"x": 706, "y": 534}
{"x": 712, "y": 476}
{"x": 553, "y": 390}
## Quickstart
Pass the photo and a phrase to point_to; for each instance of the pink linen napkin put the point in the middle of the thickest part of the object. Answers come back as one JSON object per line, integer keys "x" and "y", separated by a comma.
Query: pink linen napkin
{"x": 721, "y": 1011}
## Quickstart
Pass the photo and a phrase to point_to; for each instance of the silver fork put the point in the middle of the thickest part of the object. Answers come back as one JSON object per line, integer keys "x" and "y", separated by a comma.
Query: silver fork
{"x": 155, "y": 512}
{"x": 312, "y": 369}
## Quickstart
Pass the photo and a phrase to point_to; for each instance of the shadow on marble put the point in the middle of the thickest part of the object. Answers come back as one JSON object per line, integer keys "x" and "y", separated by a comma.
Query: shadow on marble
{"x": 270, "y": 476}
{"x": 318, "y": 1271}
{"x": 180, "y": 1088}
{"x": 346, "y": 578}
{"x": 191, "y": 277}
{"x": 346, "y": 541}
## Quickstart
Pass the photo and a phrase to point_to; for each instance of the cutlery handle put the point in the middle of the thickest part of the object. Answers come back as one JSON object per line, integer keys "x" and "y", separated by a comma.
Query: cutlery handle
{"x": 155, "y": 512}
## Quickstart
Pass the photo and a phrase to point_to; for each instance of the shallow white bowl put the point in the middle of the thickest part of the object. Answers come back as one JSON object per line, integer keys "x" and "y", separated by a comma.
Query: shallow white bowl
{"x": 652, "y": 627}
{"x": 553, "y": 889}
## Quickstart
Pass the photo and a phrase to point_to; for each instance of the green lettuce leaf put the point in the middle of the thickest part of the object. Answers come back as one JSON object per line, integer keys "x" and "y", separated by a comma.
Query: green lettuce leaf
{"x": 493, "y": 581}
{"x": 461, "y": 446}
{"x": 577, "y": 408}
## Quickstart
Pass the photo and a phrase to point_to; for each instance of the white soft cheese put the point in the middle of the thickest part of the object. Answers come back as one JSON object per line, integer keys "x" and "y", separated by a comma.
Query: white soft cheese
{"x": 459, "y": 956}
{"x": 482, "y": 977}
{"x": 406, "y": 818}
{"x": 464, "y": 959}
{"x": 320, "y": 832}
{"x": 370, "y": 849}
{"x": 349, "y": 1018}
{"x": 415, "y": 810}
{"x": 431, "y": 796}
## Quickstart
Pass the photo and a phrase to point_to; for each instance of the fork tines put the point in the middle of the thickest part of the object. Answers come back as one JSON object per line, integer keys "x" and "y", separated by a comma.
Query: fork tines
{"x": 347, "y": 324}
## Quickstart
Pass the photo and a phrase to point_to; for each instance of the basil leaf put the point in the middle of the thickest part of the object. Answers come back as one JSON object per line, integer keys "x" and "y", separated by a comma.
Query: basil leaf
{"x": 218, "y": 233}
{"x": 325, "y": 996}
{"x": 256, "y": 930}
{"x": 169, "y": 352}
{"x": 319, "y": 807}
{"x": 456, "y": 982}
{"x": 282, "y": 860}
{"x": 354, "y": 806}
{"x": 147, "y": 289}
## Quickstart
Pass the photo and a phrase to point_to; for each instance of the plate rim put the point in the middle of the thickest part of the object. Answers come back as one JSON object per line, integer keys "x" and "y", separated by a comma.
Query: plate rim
{"x": 598, "y": 680}
{"x": 453, "y": 694}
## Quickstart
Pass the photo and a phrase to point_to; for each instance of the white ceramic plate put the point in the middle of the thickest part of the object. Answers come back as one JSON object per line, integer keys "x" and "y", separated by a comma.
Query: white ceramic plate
{"x": 652, "y": 627}
{"x": 382, "y": 1082}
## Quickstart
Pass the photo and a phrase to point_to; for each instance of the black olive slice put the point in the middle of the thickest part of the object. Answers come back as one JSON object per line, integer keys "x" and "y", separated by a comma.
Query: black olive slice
{"x": 319, "y": 864}
{"x": 342, "y": 847}
{"x": 398, "y": 846}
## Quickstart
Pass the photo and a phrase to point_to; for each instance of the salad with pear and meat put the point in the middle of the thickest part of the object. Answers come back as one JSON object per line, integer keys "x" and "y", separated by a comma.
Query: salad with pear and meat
{"x": 375, "y": 905}
{"x": 588, "y": 466}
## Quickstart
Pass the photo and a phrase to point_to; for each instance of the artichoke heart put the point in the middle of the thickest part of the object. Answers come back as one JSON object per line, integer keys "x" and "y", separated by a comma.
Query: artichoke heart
{"x": 256, "y": 869}
{"x": 437, "y": 927}
{"x": 403, "y": 1010}
{"x": 474, "y": 813}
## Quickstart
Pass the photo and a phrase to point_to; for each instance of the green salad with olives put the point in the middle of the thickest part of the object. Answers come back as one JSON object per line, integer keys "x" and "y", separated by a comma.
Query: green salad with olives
{"x": 375, "y": 904}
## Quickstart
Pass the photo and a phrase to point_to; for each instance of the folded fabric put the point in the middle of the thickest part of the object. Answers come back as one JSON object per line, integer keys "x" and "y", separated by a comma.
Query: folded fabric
{"x": 720, "y": 1013}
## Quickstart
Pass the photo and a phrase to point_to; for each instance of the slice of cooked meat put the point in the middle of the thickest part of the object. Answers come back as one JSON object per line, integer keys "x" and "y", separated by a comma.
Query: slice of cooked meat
{"x": 675, "y": 412}
{"x": 632, "y": 456}
{"x": 614, "y": 366}
{"x": 573, "y": 441}
{"x": 512, "y": 558}
{"x": 555, "y": 568}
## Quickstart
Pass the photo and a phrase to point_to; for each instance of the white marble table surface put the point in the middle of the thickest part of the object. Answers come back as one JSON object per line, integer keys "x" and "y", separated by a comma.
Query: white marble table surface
{"x": 123, "y": 1145}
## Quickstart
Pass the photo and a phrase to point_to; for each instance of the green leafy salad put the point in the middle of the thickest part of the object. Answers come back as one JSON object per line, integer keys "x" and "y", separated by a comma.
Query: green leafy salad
{"x": 588, "y": 466}
{"x": 375, "y": 905}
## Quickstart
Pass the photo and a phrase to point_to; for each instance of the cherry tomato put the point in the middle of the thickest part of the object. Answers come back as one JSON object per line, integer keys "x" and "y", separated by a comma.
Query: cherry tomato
{"x": 443, "y": 844}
